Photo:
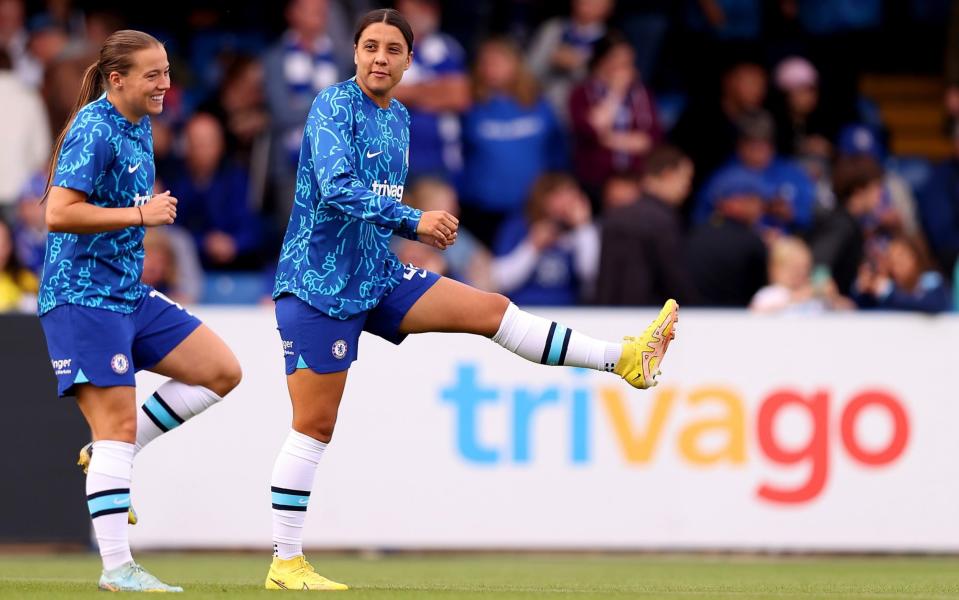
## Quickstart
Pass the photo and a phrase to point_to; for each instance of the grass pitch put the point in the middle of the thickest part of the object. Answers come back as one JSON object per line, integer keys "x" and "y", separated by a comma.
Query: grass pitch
{"x": 508, "y": 576}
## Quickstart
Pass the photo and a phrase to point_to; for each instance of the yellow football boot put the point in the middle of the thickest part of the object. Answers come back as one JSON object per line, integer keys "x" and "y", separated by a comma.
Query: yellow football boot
{"x": 642, "y": 356}
{"x": 297, "y": 574}
{"x": 83, "y": 461}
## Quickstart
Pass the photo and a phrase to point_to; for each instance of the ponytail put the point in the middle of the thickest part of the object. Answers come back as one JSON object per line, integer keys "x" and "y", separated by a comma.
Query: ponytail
{"x": 90, "y": 89}
{"x": 115, "y": 55}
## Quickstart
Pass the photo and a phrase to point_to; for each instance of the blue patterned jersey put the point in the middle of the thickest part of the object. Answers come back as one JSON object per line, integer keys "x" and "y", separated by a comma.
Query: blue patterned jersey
{"x": 110, "y": 160}
{"x": 349, "y": 187}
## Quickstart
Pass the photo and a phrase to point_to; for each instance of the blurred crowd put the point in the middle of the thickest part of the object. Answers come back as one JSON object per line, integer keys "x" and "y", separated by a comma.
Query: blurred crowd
{"x": 602, "y": 153}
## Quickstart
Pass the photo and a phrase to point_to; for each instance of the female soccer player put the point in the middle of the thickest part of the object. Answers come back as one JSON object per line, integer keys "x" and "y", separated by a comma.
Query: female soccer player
{"x": 101, "y": 323}
{"x": 336, "y": 278}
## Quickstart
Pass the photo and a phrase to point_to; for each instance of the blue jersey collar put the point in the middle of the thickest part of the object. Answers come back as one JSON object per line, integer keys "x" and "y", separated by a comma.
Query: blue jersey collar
{"x": 126, "y": 126}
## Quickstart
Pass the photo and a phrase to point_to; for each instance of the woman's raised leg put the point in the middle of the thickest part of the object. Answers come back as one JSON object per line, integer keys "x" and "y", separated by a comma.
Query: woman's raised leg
{"x": 450, "y": 306}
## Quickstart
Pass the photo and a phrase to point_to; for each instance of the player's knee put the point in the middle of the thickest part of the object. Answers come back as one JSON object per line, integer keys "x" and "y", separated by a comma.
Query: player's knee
{"x": 122, "y": 429}
{"x": 227, "y": 376}
{"x": 233, "y": 374}
{"x": 495, "y": 307}
{"x": 319, "y": 429}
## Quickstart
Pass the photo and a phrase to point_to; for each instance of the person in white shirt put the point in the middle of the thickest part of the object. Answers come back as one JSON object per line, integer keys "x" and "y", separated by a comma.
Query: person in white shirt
{"x": 26, "y": 135}
{"x": 794, "y": 286}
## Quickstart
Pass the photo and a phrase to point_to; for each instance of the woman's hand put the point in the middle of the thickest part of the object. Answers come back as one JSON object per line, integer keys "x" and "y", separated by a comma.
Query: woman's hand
{"x": 437, "y": 228}
{"x": 159, "y": 210}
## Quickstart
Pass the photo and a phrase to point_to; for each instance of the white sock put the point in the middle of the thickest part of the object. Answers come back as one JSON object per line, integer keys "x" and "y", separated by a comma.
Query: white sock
{"x": 546, "y": 342}
{"x": 293, "y": 474}
{"x": 169, "y": 407}
{"x": 108, "y": 498}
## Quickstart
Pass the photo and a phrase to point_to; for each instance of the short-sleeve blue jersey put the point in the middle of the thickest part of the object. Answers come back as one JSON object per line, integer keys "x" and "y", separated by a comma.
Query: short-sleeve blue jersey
{"x": 349, "y": 186}
{"x": 109, "y": 159}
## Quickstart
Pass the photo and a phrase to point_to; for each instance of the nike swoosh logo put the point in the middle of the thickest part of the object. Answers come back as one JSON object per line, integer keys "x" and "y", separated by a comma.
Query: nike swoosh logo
{"x": 119, "y": 501}
{"x": 133, "y": 168}
{"x": 279, "y": 583}
{"x": 372, "y": 154}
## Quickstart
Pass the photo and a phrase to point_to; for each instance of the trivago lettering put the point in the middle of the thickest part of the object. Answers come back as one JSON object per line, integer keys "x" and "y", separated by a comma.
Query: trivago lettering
{"x": 700, "y": 414}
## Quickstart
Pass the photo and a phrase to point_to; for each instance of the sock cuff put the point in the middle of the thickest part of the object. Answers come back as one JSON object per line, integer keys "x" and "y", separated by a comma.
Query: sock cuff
{"x": 304, "y": 446}
{"x": 506, "y": 323}
{"x": 190, "y": 394}
{"x": 113, "y": 459}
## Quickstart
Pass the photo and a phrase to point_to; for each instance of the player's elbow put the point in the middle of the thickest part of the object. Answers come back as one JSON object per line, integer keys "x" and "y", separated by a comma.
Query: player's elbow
{"x": 56, "y": 222}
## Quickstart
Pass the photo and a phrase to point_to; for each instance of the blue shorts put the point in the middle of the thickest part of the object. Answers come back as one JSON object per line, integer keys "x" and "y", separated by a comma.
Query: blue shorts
{"x": 314, "y": 340}
{"x": 105, "y": 348}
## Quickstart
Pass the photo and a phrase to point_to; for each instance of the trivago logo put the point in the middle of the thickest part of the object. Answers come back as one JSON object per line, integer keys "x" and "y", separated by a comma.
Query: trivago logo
{"x": 703, "y": 414}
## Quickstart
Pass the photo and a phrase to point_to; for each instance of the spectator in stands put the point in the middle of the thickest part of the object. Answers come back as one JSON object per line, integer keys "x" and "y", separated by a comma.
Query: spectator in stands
{"x": 26, "y": 135}
{"x": 161, "y": 268}
{"x": 48, "y": 41}
{"x": 214, "y": 200}
{"x": 903, "y": 279}
{"x": 643, "y": 256}
{"x": 727, "y": 257}
{"x": 622, "y": 189}
{"x": 743, "y": 90}
{"x": 436, "y": 92}
{"x": 14, "y": 40}
{"x": 896, "y": 212}
{"x": 67, "y": 16}
{"x": 29, "y": 224}
{"x": 511, "y": 131}
{"x": 99, "y": 25}
{"x": 18, "y": 285}
{"x": 562, "y": 47}
{"x": 468, "y": 260}
{"x": 939, "y": 208}
{"x": 838, "y": 239}
{"x": 296, "y": 68}
{"x": 61, "y": 86}
{"x": 793, "y": 286}
{"x": 550, "y": 255}
{"x": 792, "y": 192}
{"x": 613, "y": 116}
{"x": 843, "y": 37}
{"x": 240, "y": 106}
{"x": 803, "y": 126}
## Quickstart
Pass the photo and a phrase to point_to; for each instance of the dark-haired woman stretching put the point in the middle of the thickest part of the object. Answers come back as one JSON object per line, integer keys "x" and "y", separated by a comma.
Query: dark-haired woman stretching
{"x": 101, "y": 323}
{"x": 337, "y": 278}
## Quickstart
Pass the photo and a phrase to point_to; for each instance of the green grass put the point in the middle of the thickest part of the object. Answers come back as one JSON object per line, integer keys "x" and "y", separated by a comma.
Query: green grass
{"x": 513, "y": 576}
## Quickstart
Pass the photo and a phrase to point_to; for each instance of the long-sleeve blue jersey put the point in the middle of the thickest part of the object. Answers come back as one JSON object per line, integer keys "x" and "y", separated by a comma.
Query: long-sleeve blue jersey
{"x": 349, "y": 186}
{"x": 109, "y": 159}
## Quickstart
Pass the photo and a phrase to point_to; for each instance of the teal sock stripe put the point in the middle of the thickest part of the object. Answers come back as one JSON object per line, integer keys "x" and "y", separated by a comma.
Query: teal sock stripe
{"x": 286, "y": 499}
{"x": 108, "y": 502}
{"x": 556, "y": 343}
{"x": 161, "y": 414}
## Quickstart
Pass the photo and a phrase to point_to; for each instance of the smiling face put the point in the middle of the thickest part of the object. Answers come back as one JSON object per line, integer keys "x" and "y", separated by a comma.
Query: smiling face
{"x": 381, "y": 57}
{"x": 140, "y": 92}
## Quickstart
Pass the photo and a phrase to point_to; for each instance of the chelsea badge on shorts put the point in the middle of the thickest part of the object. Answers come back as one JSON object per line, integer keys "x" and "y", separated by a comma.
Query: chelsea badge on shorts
{"x": 339, "y": 348}
{"x": 119, "y": 364}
